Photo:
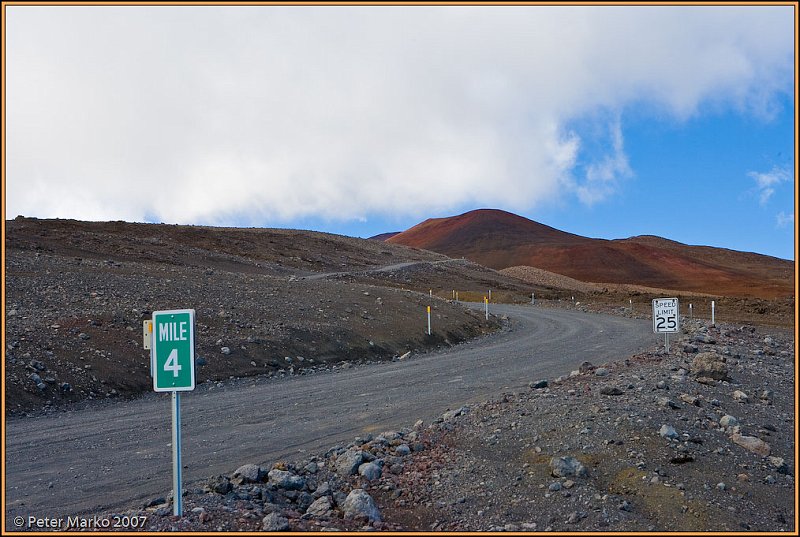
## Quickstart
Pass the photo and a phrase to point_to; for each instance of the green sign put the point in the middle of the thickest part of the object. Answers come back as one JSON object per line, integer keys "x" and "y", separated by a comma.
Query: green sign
{"x": 173, "y": 350}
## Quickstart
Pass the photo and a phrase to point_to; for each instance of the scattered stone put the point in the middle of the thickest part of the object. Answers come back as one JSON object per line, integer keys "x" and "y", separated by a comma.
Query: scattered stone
{"x": 370, "y": 471}
{"x": 220, "y": 484}
{"x": 226, "y": 350}
{"x": 728, "y": 421}
{"x": 667, "y": 431}
{"x": 610, "y": 390}
{"x": 251, "y": 473}
{"x": 567, "y": 467}
{"x": 751, "y": 443}
{"x": 690, "y": 399}
{"x": 360, "y": 503}
{"x": 321, "y": 507}
{"x": 286, "y": 480}
{"x": 585, "y": 367}
{"x": 601, "y": 372}
{"x": 274, "y": 522}
{"x": 538, "y": 385}
{"x": 740, "y": 396}
{"x": 348, "y": 462}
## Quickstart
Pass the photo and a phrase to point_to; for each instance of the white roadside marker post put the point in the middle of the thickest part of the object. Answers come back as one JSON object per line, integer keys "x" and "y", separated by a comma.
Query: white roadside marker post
{"x": 456, "y": 296}
{"x": 429, "y": 320}
{"x": 712, "y": 313}
{"x": 690, "y": 311}
{"x": 533, "y": 298}
{"x": 486, "y": 303}
{"x": 490, "y": 294}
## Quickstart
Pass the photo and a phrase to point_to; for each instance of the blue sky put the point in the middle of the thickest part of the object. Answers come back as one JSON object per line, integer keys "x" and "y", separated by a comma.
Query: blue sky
{"x": 607, "y": 121}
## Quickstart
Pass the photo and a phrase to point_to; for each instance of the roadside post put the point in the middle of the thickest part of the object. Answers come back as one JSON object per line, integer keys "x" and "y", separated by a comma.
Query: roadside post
{"x": 429, "y": 320}
{"x": 456, "y": 296}
{"x": 533, "y": 298}
{"x": 486, "y": 303}
{"x": 665, "y": 317}
{"x": 490, "y": 294}
{"x": 690, "y": 311}
{"x": 172, "y": 362}
{"x": 712, "y": 313}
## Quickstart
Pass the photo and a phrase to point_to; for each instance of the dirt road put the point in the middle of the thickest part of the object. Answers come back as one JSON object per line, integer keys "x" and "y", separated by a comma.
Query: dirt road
{"x": 117, "y": 455}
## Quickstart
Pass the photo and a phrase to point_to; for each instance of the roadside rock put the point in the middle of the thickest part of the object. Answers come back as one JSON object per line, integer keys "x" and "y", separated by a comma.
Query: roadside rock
{"x": 274, "y": 522}
{"x": 360, "y": 504}
{"x": 250, "y": 473}
{"x": 751, "y": 443}
{"x": 710, "y": 365}
{"x": 567, "y": 467}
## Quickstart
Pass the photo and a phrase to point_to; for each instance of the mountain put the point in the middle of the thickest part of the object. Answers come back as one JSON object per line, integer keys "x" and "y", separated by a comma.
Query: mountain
{"x": 499, "y": 239}
{"x": 383, "y": 236}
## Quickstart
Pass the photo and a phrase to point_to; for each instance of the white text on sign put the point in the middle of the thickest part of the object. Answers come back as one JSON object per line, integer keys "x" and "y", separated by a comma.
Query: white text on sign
{"x": 173, "y": 332}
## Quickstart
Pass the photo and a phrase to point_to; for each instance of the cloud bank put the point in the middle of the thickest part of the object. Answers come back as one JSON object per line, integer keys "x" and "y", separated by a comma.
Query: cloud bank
{"x": 264, "y": 114}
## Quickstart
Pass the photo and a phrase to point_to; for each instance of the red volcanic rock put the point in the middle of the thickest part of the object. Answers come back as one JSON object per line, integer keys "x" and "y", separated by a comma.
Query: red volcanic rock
{"x": 499, "y": 239}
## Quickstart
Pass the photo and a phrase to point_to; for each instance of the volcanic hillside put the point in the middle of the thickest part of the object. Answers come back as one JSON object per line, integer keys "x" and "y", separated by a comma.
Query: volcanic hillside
{"x": 499, "y": 239}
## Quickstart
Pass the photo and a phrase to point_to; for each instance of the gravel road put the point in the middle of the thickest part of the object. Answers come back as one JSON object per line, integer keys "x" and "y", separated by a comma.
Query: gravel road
{"x": 117, "y": 455}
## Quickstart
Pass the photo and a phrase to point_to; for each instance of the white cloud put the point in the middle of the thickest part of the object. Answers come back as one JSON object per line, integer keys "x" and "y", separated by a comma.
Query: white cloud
{"x": 209, "y": 114}
{"x": 783, "y": 220}
{"x": 767, "y": 181}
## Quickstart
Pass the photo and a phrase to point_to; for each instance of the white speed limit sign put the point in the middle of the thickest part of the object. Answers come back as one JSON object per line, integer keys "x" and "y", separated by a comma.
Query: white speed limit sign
{"x": 665, "y": 315}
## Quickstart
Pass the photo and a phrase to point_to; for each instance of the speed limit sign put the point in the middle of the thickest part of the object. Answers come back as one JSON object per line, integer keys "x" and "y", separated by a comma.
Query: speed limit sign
{"x": 665, "y": 315}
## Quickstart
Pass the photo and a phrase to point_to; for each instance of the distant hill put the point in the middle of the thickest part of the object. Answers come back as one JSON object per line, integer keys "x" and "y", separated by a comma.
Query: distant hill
{"x": 499, "y": 239}
{"x": 383, "y": 236}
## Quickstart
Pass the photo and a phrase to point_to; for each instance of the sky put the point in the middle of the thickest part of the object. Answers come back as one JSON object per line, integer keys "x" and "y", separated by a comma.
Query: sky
{"x": 605, "y": 121}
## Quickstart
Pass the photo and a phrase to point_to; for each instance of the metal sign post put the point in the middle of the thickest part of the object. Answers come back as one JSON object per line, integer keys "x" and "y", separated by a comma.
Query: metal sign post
{"x": 177, "y": 476}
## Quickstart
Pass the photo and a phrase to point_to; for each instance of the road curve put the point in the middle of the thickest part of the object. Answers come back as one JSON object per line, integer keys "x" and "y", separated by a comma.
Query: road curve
{"x": 116, "y": 456}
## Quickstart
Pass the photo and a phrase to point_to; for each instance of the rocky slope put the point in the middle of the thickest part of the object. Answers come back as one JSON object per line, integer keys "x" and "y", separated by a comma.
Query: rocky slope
{"x": 698, "y": 439}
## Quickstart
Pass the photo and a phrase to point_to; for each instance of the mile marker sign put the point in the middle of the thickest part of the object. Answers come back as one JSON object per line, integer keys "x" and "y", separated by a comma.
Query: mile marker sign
{"x": 665, "y": 315}
{"x": 173, "y": 350}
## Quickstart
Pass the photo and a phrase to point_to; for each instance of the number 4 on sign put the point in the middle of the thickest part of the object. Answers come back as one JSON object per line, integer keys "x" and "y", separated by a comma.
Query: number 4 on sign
{"x": 172, "y": 363}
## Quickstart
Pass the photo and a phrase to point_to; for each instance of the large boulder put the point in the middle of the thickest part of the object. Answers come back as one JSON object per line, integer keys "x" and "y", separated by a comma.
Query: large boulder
{"x": 286, "y": 480}
{"x": 249, "y": 473}
{"x": 710, "y": 365}
{"x": 348, "y": 462}
{"x": 360, "y": 504}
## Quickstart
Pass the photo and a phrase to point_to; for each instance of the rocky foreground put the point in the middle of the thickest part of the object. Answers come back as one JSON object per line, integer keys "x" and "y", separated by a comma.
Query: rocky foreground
{"x": 698, "y": 439}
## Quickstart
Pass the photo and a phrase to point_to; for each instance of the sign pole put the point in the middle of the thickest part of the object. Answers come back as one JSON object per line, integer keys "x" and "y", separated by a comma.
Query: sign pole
{"x": 177, "y": 489}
